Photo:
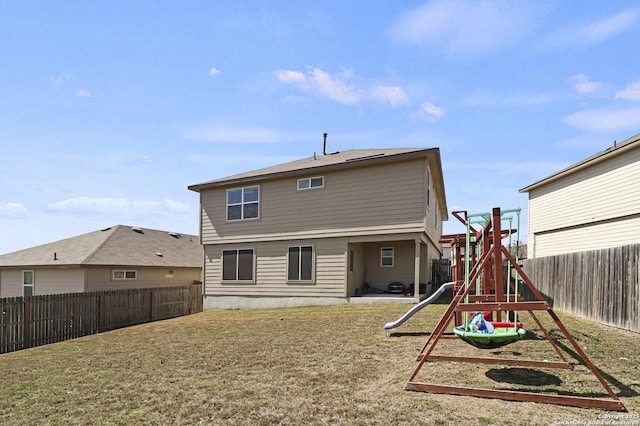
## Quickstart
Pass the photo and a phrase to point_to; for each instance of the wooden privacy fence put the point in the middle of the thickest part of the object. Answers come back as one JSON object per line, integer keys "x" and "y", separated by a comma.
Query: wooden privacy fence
{"x": 40, "y": 320}
{"x": 602, "y": 285}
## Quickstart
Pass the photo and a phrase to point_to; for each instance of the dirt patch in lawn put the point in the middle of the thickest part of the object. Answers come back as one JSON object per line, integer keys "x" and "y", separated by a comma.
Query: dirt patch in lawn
{"x": 325, "y": 365}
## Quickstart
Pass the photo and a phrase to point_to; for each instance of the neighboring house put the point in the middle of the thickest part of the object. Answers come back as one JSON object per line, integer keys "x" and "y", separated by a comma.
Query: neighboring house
{"x": 114, "y": 258}
{"x": 321, "y": 227}
{"x": 593, "y": 204}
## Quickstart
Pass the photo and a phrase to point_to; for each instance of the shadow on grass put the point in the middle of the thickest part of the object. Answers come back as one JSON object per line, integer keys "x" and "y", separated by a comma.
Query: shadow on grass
{"x": 523, "y": 376}
{"x": 625, "y": 391}
{"x": 417, "y": 333}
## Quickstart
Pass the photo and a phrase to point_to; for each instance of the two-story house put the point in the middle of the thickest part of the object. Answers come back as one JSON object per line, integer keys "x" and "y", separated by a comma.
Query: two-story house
{"x": 316, "y": 230}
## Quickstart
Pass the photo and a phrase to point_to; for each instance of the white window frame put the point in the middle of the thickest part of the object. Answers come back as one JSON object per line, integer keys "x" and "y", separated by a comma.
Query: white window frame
{"x": 308, "y": 183}
{"x": 237, "y": 265}
{"x": 243, "y": 203}
{"x": 32, "y": 284}
{"x": 383, "y": 257}
{"x": 124, "y": 275}
{"x": 299, "y": 272}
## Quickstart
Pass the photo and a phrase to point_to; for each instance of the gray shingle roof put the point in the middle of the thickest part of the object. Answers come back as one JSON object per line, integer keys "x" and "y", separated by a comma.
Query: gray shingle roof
{"x": 317, "y": 163}
{"x": 119, "y": 245}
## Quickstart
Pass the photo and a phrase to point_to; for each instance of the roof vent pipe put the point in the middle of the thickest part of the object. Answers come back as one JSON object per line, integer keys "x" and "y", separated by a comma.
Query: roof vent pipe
{"x": 324, "y": 146}
{"x": 55, "y": 256}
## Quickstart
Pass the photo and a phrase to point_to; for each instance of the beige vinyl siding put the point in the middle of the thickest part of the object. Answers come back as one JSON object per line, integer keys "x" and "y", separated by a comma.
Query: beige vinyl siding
{"x": 403, "y": 270}
{"x": 433, "y": 221}
{"x": 11, "y": 282}
{"x": 602, "y": 192}
{"x": 383, "y": 199}
{"x": 271, "y": 270}
{"x": 56, "y": 281}
{"x": 46, "y": 281}
{"x": 601, "y": 236}
{"x": 100, "y": 278}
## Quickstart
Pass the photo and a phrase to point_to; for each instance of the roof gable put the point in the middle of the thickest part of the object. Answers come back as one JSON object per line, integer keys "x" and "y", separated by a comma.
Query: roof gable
{"x": 117, "y": 245}
{"x": 318, "y": 163}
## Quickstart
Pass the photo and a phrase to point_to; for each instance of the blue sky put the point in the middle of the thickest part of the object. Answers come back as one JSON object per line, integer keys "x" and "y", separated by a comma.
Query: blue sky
{"x": 109, "y": 110}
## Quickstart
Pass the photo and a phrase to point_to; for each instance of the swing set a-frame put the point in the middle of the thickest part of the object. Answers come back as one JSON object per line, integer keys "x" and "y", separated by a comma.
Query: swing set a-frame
{"x": 486, "y": 292}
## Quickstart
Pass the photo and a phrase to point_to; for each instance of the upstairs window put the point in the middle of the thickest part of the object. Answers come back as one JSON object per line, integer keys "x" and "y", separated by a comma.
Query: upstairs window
{"x": 243, "y": 203}
{"x": 310, "y": 183}
{"x": 386, "y": 257}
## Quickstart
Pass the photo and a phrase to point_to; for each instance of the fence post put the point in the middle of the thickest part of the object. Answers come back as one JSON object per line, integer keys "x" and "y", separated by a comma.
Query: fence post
{"x": 26, "y": 329}
{"x": 101, "y": 313}
{"x": 153, "y": 317}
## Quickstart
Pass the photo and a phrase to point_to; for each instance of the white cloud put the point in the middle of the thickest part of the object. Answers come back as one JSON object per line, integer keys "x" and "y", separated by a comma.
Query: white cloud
{"x": 116, "y": 207}
{"x": 290, "y": 76}
{"x": 392, "y": 94}
{"x": 588, "y": 33}
{"x": 465, "y": 27}
{"x": 214, "y": 71}
{"x": 608, "y": 119}
{"x": 333, "y": 87}
{"x": 83, "y": 94}
{"x": 90, "y": 204}
{"x": 583, "y": 85}
{"x": 632, "y": 92}
{"x": 429, "y": 111}
{"x": 12, "y": 210}
{"x": 338, "y": 88}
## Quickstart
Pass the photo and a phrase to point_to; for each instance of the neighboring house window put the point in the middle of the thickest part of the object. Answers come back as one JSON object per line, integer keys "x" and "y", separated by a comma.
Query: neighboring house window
{"x": 243, "y": 203}
{"x": 300, "y": 263}
{"x": 121, "y": 274}
{"x": 309, "y": 183}
{"x": 27, "y": 283}
{"x": 386, "y": 256}
{"x": 237, "y": 265}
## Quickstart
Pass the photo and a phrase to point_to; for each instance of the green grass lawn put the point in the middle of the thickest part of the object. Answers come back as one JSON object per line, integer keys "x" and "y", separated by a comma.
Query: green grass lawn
{"x": 324, "y": 365}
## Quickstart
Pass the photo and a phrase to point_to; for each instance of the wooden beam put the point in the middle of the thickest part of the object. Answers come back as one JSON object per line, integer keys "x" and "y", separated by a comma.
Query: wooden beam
{"x": 508, "y": 395}
{"x": 503, "y": 306}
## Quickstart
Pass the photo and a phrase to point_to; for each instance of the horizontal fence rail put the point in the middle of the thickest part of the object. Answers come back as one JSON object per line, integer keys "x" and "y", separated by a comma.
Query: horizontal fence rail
{"x": 601, "y": 285}
{"x": 40, "y": 320}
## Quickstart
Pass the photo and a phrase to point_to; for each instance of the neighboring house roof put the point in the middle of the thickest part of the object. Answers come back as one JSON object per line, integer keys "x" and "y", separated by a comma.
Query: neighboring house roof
{"x": 617, "y": 149}
{"x": 119, "y": 245}
{"x": 338, "y": 161}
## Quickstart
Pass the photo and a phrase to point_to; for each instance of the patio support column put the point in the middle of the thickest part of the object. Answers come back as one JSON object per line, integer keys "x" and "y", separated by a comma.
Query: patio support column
{"x": 416, "y": 271}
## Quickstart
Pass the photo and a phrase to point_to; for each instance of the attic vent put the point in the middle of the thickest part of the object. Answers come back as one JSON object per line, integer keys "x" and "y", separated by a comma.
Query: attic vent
{"x": 158, "y": 254}
{"x": 105, "y": 229}
{"x": 367, "y": 157}
{"x": 138, "y": 230}
{"x": 174, "y": 234}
